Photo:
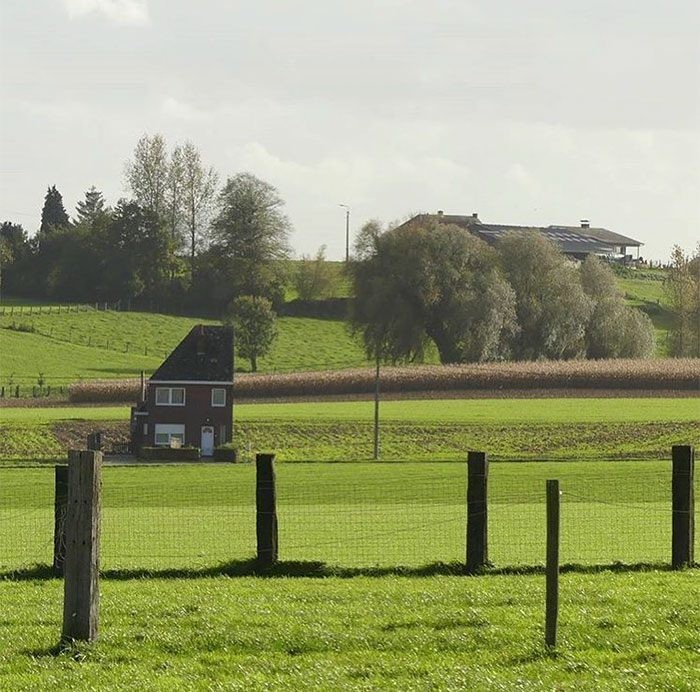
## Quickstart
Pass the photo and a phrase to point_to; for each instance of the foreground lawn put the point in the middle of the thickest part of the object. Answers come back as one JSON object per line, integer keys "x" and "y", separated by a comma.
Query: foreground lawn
{"x": 617, "y": 631}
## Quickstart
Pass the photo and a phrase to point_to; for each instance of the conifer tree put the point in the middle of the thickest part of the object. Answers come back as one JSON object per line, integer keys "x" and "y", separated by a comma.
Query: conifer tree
{"x": 91, "y": 207}
{"x": 53, "y": 215}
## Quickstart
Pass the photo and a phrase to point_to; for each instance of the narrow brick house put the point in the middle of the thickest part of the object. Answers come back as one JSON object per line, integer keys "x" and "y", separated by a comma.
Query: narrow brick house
{"x": 188, "y": 400}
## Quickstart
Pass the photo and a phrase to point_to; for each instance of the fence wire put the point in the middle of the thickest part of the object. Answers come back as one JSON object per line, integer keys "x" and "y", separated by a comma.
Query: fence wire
{"x": 349, "y": 514}
{"x": 372, "y": 515}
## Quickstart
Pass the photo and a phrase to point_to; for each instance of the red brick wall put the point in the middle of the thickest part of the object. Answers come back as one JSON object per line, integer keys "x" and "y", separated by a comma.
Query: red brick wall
{"x": 196, "y": 412}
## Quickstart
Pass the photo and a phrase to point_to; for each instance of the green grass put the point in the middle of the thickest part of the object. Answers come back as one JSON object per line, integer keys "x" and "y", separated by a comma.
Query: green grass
{"x": 617, "y": 631}
{"x": 501, "y": 411}
{"x": 614, "y": 428}
{"x": 644, "y": 289}
{"x": 69, "y": 346}
{"x": 350, "y": 515}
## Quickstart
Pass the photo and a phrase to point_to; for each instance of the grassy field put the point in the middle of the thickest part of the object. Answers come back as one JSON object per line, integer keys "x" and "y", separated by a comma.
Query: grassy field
{"x": 589, "y": 428}
{"x": 349, "y": 516}
{"x": 617, "y": 631}
{"x": 68, "y": 347}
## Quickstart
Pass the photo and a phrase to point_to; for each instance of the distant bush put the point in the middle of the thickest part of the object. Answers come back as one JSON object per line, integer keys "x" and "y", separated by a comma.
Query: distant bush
{"x": 327, "y": 309}
{"x": 22, "y": 327}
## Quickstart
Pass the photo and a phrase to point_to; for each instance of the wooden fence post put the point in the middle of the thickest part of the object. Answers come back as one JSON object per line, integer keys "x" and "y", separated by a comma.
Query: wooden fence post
{"x": 94, "y": 441}
{"x": 60, "y": 506}
{"x": 683, "y": 505}
{"x": 477, "y": 511}
{"x": 81, "y": 597}
{"x": 552, "y": 597}
{"x": 266, "y": 509}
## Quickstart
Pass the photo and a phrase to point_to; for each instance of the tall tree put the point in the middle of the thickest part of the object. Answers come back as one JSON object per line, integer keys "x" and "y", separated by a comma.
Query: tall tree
{"x": 173, "y": 196}
{"x": 88, "y": 210}
{"x": 53, "y": 214}
{"x": 430, "y": 281}
{"x": 147, "y": 174}
{"x": 199, "y": 186}
{"x": 682, "y": 287}
{"x": 251, "y": 231}
{"x": 615, "y": 330}
{"x": 552, "y": 308}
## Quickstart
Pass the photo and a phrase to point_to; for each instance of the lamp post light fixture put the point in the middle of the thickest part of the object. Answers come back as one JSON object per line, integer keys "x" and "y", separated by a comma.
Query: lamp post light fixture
{"x": 347, "y": 231}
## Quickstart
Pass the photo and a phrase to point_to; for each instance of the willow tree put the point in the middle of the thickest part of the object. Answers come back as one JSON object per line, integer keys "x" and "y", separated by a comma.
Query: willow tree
{"x": 429, "y": 282}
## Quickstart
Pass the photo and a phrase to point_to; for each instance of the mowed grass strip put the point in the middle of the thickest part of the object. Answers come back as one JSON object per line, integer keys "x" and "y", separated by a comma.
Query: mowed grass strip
{"x": 565, "y": 410}
{"x": 350, "y": 515}
{"x": 617, "y": 631}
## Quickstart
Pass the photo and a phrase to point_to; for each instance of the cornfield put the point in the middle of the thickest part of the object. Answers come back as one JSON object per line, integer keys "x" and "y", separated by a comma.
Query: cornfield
{"x": 634, "y": 375}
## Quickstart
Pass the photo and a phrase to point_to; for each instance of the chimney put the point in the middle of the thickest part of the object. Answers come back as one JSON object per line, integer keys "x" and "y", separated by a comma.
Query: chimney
{"x": 475, "y": 215}
{"x": 440, "y": 212}
{"x": 585, "y": 223}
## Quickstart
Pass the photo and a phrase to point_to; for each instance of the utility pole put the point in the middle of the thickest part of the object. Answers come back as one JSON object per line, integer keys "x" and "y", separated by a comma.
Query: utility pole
{"x": 347, "y": 231}
{"x": 376, "y": 411}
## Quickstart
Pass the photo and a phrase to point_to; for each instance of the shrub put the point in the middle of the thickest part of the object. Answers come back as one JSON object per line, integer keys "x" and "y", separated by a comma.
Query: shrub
{"x": 225, "y": 453}
{"x": 170, "y": 453}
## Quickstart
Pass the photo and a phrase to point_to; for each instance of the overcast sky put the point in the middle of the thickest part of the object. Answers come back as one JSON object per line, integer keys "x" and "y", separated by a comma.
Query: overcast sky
{"x": 528, "y": 113}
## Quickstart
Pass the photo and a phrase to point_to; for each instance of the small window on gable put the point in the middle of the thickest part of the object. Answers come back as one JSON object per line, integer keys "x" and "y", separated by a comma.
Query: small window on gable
{"x": 218, "y": 396}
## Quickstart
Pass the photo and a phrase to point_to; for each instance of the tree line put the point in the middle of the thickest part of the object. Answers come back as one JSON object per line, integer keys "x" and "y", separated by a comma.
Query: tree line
{"x": 427, "y": 282}
{"x": 180, "y": 241}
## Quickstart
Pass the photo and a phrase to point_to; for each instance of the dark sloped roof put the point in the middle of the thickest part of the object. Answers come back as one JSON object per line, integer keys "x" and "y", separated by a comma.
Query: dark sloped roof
{"x": 570, "y": 239}
{"x": 204, "y": 355}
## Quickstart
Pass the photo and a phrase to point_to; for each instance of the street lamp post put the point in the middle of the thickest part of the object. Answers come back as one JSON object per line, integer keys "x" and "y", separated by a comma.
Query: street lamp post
{"x": 347, "y": 231}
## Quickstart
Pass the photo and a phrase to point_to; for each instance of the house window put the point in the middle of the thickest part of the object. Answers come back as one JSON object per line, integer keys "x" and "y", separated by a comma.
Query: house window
{"x": 222, "y": 435}
{"x": 218, "y": 397}
{"x": 166, "y": 433}
{"x": 170, "y": 396}
{"x": 145, "y": 429}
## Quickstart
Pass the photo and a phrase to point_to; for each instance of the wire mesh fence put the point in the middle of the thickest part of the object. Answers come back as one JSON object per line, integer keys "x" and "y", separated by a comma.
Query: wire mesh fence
{"x": 351, "y": 515}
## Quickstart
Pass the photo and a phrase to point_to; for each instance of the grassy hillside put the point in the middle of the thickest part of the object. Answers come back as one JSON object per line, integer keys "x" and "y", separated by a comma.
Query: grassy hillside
{"x": 67, "y": 346}
{"x": 644, "y": 289}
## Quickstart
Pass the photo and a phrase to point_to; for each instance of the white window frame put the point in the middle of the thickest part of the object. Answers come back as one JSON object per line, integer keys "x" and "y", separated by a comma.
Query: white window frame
{"x": 223, "y": 391}
{"x": 169, "y": 396}
{"x": 170, "y": 431}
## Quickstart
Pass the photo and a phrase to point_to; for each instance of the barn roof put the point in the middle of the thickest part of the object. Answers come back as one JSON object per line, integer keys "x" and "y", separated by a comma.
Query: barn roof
{"x": 570, "y": 239}
{"x": 204, "y": 355}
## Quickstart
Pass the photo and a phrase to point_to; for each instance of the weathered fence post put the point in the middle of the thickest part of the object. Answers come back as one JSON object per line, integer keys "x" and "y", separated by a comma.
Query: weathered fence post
{"x": 683, "y": 505}
{"x": 81, "y": 599}
{"x": 552, "y": 568}
{"x": 266, "y": 510}
{"x": 477, "y": 511}
{"x": 94, "y": 441}
{"x": 60, "y": 506}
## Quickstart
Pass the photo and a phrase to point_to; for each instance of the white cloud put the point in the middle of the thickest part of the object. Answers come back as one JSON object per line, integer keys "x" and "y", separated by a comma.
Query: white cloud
{"x": 117, "y": 11}
{"x": 180, "y": 110}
